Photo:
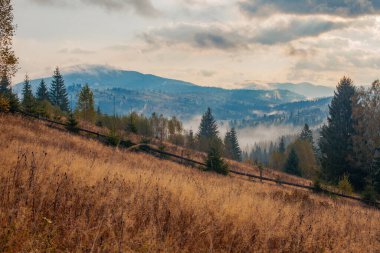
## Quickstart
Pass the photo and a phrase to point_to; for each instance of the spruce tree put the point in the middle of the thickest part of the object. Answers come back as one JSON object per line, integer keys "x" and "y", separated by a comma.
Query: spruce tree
{"x": 336, "y": 137}
{"x": 85, "y": 106}
{"x": 214, "y": 160}
{"x": 28, "y": 101}
{"x": 58, "y": 94}
{"x": 42, "y": 92}
{"x": 281, "y": 146}
{"x": 72, "y": 123}
{"x": 9, "y": 98}
{"x": 307, "y": 134}
{"x": 231, "y": 145}
{"x": 292, "y": 164}
{"x": 208, "y": 131}
{"x": 375, "y": 173}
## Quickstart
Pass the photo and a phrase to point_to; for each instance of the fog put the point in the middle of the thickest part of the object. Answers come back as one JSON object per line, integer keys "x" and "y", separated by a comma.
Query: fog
{"x": 249, "y": 136}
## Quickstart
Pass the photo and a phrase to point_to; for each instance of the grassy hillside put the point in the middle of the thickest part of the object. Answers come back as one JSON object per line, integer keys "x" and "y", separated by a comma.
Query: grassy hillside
{"x": 66, "y": 193}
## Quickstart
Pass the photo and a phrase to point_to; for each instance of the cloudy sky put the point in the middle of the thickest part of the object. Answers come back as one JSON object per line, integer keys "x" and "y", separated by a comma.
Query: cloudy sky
{"x": 226, "y": 43}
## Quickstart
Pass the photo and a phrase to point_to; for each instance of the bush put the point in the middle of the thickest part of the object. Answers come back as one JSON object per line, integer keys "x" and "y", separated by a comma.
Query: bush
{"x": 317, "y": 186}
{"x": 369, "y": 195}
{"x": 345, "y": 186}
{"x": 113, "y": 139}
{"x": 4, "y": 104}
{"x": 214, "y": 161}
{"x": 72, "y": 124}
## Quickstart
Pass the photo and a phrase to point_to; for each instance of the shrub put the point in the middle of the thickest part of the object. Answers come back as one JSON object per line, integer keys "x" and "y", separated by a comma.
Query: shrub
{"x": 4, "y": 104}
{"x": 215, "y": 162}
{"x": 345, "y": 186}
{"x": 369, "y": 195}
{"x": 113, "y": 139}
{"x": 72, "y": 124}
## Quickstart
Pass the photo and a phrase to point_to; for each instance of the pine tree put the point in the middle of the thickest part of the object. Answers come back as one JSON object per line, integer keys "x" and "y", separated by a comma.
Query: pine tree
{"x": 28, "y": 100}
{"x": 281, "y": 146}
{"x": 5, "y": 86}
{"x": 307, "y": 134}
{"x": 42, "y": 92}
{"x": 336, "y": 137}
{"x": 214, "y": 161}
{"x": 291, "y": 165}
{"x": 85, "y": 107}
{"x": 58, "y": 94}
{"x": 366, "y": 140}
{"x": 231, "y": 145}
{"x": 72, "y": 123}
{"x": 208, "y": 131}
{"x": 375, "y": 172}
{"x": 190, "y": 142}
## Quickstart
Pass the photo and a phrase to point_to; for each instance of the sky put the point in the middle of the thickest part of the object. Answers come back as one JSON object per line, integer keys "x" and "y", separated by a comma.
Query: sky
{"x": 224, "y": 43}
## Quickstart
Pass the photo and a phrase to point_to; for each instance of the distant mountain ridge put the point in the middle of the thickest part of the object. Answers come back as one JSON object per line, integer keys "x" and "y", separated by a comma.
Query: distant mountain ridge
{"x": 145, "y": 93}
{"x": 308, "y": 90}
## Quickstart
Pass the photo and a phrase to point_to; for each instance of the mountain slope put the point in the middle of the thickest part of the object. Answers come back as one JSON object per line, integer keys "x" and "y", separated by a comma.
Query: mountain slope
{"x": 308, "y": 90}
{"x": 149, "y": 93}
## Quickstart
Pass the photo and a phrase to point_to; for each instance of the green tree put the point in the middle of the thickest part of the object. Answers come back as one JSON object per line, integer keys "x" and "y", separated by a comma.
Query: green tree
{"x": 190, "y": 140}
{"x": 8, "y": 96}
{"x": 8, "y": 59}
{"x": 42, "y": 92}
{"x": 307, "y": 134}
{"x": 208, "y": 131}
{"x": 28, "y": 100}
{"x": 336, "y": 137}
{"x": 281, "y": 145}
{"x": 57, "y": 93}
{"x": 72, "y": 123}
{"x": 366, "y": 139}
{"x": 292, "y": 164}
{"x": 231, "y": 146}
{"x": 85, "y": 107}
{"x": 214, "y": 160}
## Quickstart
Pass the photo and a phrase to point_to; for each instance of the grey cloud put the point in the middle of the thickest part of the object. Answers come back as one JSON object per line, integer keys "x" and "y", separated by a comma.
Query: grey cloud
{"x": 343, "y": 8}
{"x": 216, "y": 36}
{"x": 143, "y": 7}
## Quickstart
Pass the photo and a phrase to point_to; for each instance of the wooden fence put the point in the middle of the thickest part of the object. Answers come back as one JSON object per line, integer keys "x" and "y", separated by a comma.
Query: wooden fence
{"x": 151, "y": 150}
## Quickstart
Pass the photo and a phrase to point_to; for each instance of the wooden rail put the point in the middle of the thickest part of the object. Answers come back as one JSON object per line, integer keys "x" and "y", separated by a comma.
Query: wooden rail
{"x": 149, "y": 149}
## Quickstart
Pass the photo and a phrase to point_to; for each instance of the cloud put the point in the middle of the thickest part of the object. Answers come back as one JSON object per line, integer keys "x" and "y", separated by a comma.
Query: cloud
{"x": 343, "y": 8}
{"x": 142, "y": 7}
{"x": 232, "y": 37}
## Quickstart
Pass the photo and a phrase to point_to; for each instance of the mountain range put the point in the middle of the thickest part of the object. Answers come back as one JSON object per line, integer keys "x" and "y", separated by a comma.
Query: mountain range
{"x": 145, "y": 93}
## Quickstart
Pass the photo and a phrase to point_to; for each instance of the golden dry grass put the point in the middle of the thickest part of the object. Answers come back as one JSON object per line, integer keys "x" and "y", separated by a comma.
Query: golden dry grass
{"x": 64, "y": 193}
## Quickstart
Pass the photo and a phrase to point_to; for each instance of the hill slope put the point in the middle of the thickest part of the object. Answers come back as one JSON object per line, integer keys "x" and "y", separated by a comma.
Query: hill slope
{"x": 148, "y": 93}
{"x": 308, "y": 90}
{"x": 66, "y": 193}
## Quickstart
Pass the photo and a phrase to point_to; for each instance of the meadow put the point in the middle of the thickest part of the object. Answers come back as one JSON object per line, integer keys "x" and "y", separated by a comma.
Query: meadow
{"x": 65, "y": 193}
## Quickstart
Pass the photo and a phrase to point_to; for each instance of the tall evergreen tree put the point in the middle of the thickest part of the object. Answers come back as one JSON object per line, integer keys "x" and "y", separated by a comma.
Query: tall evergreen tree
{"x": 42, "y": 92}
{"x": 214, "y": 160}
{"x": 307, "y": 134}
{"x": 8, "y": 96}
{"x": 58, "y": 94}
{"x": 366, "y": 139}
{"x": 336, "y": 137}
{"x": 231, "y": 145}
{"x": 281, "y": 146}
{"x": 292, "y": 164}
{"x": 28, "y": 100}
{"x": 208, "y": 131}
{"x": 85, "y": 106}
